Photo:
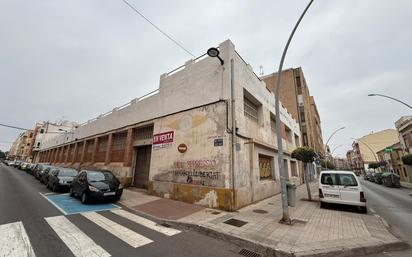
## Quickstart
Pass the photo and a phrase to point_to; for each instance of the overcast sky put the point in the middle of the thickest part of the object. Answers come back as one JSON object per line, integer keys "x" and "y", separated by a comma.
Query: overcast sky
{"x": 76, "y": 59}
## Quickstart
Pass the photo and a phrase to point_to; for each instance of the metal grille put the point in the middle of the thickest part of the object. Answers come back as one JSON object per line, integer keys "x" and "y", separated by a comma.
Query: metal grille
{"x": 143, "y": 133}
{"x": 250, "y": 109}
{"x": 235, "y": 222}
{"x": 247, "y": 253}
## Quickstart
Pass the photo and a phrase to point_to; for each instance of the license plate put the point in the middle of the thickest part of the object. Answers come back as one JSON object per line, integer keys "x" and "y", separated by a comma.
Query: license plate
{"x": 109, "y": 193}
{"x": 331, "y": 196}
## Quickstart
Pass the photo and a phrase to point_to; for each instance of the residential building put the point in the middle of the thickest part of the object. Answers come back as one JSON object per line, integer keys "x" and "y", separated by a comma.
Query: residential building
{"x": 207, "y": 136}
{"x": 46, "y": 130}
{"x": 365, "y": 148}
{"x": 350, "y": 159}
{"x": 404, "y": 129}
{"x": 296, "y": 98}
{"x": 392, "y": 157}
{"x": 21, "y": 148}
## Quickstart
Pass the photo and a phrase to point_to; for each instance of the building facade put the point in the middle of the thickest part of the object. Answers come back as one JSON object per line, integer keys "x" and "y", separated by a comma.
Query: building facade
{"x": 206, "y": 136}
{"x": 21, "y": 148}
{"x": 365, "y": 148}
{"x": 296, "y": 98}
{"x": 404, "y": 129}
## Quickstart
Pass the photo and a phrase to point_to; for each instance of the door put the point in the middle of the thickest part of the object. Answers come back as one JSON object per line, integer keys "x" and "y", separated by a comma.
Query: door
{"x": 349, "y": 188}
{"x": 142, "y": 166}
{"x": 329, "y": 183}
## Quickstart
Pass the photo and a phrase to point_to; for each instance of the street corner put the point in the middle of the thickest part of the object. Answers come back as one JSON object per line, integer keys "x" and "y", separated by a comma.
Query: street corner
{"x": 70, "y": 205}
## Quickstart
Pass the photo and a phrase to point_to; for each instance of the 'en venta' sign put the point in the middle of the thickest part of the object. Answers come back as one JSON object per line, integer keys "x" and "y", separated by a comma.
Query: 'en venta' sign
{"x": 163, "y": 140}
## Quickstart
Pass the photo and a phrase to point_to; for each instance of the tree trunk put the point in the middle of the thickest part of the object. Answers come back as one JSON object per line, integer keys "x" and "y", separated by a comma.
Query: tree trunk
{"x": 305, "y": 175}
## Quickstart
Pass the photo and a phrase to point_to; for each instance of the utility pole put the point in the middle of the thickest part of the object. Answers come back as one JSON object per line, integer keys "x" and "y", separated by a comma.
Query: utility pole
{"x": 285, "y": 217}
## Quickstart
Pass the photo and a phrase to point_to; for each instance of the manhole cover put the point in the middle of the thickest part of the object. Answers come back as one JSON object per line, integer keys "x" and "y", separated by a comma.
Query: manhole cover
{"x": 235, "y": 222}
{"x": 260, "y": 211}
{"x": 215, "y": 212}
{"x": 247, "y": 253}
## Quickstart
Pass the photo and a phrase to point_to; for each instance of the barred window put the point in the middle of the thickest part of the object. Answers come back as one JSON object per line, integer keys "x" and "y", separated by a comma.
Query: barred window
{"x": 250, "y": 109}
{"x": 79, "y": 151}
{"x": 119, "y": 146}
{"x": 265, "y": 166}
{"x": 143, "y": 133}
{"x": 101, "y": 149}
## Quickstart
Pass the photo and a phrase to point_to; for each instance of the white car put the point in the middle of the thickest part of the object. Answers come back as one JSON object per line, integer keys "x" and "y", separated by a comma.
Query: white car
{"x": 341, "y": 187}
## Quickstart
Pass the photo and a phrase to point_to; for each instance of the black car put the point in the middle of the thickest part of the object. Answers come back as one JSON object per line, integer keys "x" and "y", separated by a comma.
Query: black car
{"x": 377, "y": 178}
{"x": 44, "y": 176}
{"x": 40, "y": 168}
{"x": 60, "y": 178}
{"x": 96, "y": 185}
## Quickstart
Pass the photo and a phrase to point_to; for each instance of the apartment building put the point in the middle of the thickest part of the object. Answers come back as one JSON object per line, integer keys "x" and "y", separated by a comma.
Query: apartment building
{"x": 206, "y": 136}
{"x": 296, "y": 98}
{"x": 404, "y": 129}
{"x": 21, "y": 148}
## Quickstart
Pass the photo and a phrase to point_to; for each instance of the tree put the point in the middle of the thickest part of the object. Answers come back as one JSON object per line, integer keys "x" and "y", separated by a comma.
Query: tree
{"x": 407, "y": 159}
{"x": 2, "y": 154}
{"x": 373, "y": 165}
{"x": 306, "y": 155}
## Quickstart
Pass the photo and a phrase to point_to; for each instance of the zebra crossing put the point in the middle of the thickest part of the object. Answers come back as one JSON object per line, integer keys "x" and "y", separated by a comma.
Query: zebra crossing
{"x": 15, "y": 242}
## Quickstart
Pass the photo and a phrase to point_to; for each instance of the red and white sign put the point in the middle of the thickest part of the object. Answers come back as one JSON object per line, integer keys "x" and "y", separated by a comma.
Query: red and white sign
{"x": 163, "y": 140}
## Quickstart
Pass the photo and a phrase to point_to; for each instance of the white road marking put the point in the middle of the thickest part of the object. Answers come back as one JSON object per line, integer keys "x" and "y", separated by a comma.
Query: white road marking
{"x": 372, "y": 210}
{"x": 146, "y": 222}
{"x": 132, "y": 238}
{"x": 55, "y": 205}
{"x": 14, "y": 241}
{"x": 78, "y": 242}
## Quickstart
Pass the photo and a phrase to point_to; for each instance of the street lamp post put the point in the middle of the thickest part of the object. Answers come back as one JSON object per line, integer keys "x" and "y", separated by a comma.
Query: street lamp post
{"x": 397, "y": 100}
{"x": 334, "y": 132}
{"x": 285, "y": 217}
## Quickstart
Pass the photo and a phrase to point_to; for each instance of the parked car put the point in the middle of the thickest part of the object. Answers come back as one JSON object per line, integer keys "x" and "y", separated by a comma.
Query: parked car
{"x": 29, "y": 168}
{"x": 61, "y": 178}
{"x": 367, "y": 176}
{"x": 44, "y": 176}
{"x": 377, "y": 178}
{"x": 390, "y": 179}
{"x": 341, "y": 187}
{"x": 11, "y": 163}
{"x": 40, "y": 169}
{"x": 96, "y": 185}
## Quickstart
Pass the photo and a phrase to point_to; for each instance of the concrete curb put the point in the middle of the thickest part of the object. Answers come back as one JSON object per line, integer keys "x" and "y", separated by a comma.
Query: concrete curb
{"x": 269, "y": 251}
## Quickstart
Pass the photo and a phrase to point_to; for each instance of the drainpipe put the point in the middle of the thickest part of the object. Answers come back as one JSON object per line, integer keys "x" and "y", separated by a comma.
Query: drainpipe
{"x": 233, "y": 136}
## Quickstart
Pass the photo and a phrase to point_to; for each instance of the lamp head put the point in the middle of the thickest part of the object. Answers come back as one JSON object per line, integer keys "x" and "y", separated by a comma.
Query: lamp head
{"x": 213, "y": 52}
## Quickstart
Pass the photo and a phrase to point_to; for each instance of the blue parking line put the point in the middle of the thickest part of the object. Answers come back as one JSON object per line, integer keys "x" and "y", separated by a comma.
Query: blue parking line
{"x": 70, "y": 205}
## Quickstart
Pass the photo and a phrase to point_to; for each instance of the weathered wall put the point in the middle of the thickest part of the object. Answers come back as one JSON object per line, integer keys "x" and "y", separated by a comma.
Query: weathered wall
{"x": 205, "y": 165}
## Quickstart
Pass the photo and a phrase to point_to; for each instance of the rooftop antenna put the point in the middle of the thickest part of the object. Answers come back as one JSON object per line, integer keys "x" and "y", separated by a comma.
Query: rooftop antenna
{"x": 261, "y": 70}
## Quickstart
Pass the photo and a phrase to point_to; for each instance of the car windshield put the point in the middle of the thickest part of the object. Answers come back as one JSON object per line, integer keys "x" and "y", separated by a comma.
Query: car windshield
{"x": 67, "y": 173}
{"x": 338, "y": 179}
{"x": 95, "y": 176}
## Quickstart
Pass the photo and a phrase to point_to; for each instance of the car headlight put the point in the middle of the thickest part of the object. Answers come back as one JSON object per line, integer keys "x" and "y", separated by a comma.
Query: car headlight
{"x": 120, "y": 186}
{"x": 61, "y": 181}
{"x": 93, "y": 189}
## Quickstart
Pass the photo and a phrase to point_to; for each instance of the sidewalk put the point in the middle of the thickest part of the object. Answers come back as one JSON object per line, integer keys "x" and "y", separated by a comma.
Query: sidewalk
{"x": 317, "y": 232}
{"x": 406, "y": 185}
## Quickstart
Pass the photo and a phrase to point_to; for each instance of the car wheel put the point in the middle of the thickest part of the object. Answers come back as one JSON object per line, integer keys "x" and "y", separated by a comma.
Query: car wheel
{"x": 84, "y": 198}
{"x": 363, "y": 209}
{"x": 71, "y": 193}
{"x": 322, "y": 205}
{"x": 47, "y": 185}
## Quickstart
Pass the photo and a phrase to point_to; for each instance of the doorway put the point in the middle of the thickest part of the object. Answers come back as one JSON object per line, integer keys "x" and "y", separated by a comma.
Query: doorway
{"x": 142, "y": 166}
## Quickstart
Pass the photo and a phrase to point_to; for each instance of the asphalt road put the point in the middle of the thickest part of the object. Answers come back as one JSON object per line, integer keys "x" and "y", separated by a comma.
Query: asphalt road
{"x": 21, "y": 201}
{"x": 394, "y": 205}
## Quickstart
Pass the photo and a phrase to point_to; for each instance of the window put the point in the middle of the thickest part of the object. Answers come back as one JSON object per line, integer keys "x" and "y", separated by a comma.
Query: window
{"x": 293, "y": 169}
{"x": 302, "y": 114}
{"x": 273, "y": 123}
{"x": 298, "y": 85}
{"x": 143, "y": 133}
{"x": 250, "y": 109}
{"x": 265, "y": 166}
{"x": 101, "y": 150}
{"x": 297, "y": 142}
{"x": 38, "y": 144}
{"x": 41, "y": 131}
{"x": 338, "y": 179}
{"x": 119, "y": 146}
{"x": 288, "y": 134}
{"x": 79, "y": 151}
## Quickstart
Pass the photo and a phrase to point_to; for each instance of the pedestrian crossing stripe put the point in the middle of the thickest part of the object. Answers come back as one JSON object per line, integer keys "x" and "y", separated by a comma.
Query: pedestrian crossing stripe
{"x": 14, "y": 241}
{"x": 146, "y": 222}
{"x": 128, "y": 236}
{"x": 78, "y": 242}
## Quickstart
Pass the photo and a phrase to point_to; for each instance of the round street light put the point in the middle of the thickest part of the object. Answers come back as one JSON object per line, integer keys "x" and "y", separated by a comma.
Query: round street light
{"x": 214, "y": 52}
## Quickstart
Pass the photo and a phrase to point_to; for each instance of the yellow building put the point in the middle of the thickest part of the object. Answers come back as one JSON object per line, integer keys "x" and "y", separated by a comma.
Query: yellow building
{"x": 370, "y": 144}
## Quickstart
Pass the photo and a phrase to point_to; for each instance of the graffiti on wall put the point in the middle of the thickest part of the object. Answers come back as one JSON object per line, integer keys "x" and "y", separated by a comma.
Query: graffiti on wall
{"x": 196, "y": 172}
